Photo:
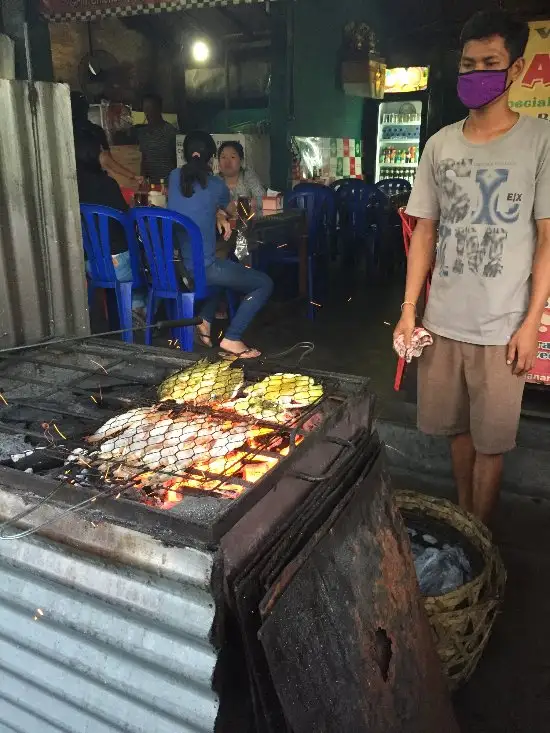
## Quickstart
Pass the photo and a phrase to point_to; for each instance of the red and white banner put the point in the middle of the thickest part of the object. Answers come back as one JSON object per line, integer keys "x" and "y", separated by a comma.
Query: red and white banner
{"x": 540, "y": 374}
{"x": 62, "y": 10}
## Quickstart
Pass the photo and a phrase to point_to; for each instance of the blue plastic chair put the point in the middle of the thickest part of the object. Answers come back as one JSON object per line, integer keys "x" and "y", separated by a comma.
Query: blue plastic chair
{"x": 394, "y": 186}
{"x": 362, "y": 210}
{"x": 318, "y": 215}
{"x": 156, "y": 229}
{"x": 325, "y": 207}
{"x": 96, "y": 238}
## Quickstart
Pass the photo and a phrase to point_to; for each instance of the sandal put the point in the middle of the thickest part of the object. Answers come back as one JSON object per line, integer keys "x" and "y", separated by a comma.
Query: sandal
{"x": 203, "y": 339}
{"x": 231, "y": 355}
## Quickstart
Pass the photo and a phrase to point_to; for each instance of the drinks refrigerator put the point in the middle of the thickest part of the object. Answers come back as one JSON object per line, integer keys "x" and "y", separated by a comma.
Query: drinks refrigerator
{"x": 402, "y": 118}
{"x": 399, "y": 139}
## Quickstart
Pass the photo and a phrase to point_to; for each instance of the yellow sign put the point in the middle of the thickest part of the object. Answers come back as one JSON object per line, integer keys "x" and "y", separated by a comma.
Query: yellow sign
{"x": 410, "y": 79}
{"x": 530, "y": 95}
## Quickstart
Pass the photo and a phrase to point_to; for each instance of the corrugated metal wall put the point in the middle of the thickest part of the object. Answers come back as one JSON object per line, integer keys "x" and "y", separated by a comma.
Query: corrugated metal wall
{"x": 42, "y": 282}
{"x": 92, "y": 646}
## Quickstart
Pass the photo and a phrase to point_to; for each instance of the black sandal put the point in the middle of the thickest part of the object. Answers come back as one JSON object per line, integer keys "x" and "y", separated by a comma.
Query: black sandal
{"x": 203, "y": 339}
{"x": 231, "y": 355}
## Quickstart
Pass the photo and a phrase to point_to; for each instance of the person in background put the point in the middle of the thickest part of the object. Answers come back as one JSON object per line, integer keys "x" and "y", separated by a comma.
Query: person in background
{"x": 194, "y": 192}
{"x": 486, "y": 180}
{"x": 157, "y": 141}
{"x": 241, "y": 181}
{"x": 82, "y": 128}
{"x": 97, "y": 188}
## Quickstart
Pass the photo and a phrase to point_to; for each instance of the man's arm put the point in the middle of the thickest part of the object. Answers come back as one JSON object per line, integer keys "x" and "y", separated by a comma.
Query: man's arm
{"x": 419, "y": 263}
{"x": 523, "y": 346}
{"x": 112, "y": 166}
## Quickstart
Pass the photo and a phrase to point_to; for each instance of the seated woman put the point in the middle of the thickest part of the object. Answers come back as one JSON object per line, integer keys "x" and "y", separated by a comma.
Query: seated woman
{"x": 96, "y": 187}
{"x": 194, "y": 192}
{"x": 241, "y": 181}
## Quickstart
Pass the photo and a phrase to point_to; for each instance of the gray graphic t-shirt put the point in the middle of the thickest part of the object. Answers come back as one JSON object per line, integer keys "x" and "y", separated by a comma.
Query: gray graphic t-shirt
{"x": 487, "y": 199}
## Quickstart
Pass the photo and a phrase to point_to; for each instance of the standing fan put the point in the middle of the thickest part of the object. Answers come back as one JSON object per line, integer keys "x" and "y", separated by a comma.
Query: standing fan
{"x": 97, "y": 71}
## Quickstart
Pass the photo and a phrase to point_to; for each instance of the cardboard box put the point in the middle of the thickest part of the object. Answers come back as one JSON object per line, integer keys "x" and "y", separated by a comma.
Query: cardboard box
{"x": 272, "y": 203}
{"x": 130, "y": 157}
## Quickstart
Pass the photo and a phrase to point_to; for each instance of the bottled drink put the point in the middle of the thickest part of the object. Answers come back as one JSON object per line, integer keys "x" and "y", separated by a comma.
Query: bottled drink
{"x": 141, "y": 197}
{"x": 157, "y": 195}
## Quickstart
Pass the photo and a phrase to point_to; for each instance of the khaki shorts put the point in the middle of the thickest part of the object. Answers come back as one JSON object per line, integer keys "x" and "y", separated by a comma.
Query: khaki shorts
{"x": 464, "y": 388}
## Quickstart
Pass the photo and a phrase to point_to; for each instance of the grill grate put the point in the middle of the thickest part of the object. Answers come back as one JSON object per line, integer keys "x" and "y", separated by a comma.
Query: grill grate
{"x": 105, "y": 424}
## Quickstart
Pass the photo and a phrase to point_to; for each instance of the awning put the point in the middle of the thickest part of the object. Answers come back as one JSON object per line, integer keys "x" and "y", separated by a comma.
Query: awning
{"x": 63, "y": 10}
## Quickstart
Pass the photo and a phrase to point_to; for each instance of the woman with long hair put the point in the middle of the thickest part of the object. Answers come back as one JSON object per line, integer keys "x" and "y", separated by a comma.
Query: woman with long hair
{"x": 194, "y": 192}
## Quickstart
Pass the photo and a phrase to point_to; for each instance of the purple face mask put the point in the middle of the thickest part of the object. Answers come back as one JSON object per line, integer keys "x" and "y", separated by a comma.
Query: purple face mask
{"x": 479, "y": 88}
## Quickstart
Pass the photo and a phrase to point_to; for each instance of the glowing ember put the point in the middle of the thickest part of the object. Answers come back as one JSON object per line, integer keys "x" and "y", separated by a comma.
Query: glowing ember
{"x": 215, "y": 475}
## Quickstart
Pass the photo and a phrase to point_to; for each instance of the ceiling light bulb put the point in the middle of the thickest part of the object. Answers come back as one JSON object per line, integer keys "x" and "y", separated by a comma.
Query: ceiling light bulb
{"x": 200, "y": 51}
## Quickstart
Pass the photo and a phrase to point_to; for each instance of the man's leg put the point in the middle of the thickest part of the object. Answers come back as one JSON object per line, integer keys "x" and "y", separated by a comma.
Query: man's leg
{"x": 487, "y": 477}
{"x": 495, "y": 408}
{"x": 464, "y": 459}
{"x": 444, "y": 409}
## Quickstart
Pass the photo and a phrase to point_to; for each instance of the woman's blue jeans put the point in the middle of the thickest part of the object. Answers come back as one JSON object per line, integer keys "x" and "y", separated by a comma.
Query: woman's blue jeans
{"x": 256, "y": 286}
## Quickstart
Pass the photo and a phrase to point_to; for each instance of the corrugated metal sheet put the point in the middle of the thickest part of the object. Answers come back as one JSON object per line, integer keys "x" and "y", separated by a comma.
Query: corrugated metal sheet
{"x": 92, "y": 645}
{"x": 7, "y": 58}
{"x": 42, "y": 282}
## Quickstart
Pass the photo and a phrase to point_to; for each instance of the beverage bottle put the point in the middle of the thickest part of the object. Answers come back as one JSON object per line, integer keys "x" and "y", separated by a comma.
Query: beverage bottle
{"x": 141, "y": 197}
{"x": 153, "y": 194}
{"x": 161, "y": 194}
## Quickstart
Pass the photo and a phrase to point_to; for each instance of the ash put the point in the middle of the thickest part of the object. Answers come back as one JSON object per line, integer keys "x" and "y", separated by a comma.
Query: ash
{"x": 13, "y": 447}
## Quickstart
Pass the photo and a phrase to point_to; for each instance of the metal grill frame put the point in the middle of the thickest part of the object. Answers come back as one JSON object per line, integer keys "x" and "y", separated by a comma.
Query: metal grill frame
{"x": 232, "y": 509}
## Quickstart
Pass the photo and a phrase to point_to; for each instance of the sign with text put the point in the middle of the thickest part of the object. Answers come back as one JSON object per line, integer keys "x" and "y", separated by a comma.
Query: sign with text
{"x": 530, "y": 95}
{"x": 60, "y": 10}
{"x": 541, "y": 371}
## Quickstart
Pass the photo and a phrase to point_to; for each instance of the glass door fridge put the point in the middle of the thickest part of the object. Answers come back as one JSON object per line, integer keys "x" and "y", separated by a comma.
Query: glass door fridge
{"x": 398, "y": 145}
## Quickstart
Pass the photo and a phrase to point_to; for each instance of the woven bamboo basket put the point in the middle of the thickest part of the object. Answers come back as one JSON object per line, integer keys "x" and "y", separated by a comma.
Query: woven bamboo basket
{"x": 463, "y": 619}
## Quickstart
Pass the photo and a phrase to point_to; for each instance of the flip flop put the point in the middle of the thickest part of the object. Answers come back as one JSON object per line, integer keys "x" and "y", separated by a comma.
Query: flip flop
{"x": 203, "y": 340}
{"x": 231, "y": 356}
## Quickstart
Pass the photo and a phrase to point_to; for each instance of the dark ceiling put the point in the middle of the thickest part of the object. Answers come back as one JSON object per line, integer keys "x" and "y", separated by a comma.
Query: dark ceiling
{"x": 420, "y": 26}
{"x": 409, "y": 31}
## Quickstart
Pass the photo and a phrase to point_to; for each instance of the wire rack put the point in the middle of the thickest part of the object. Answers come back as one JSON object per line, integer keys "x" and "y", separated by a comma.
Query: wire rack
{"x": 213, "y": 428}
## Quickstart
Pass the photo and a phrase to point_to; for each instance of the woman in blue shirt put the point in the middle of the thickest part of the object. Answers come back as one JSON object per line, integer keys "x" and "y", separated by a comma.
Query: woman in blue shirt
{"x": 194, "y": 192}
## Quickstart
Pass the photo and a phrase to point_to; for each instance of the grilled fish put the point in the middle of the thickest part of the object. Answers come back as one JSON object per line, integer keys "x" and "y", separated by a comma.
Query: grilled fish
{"x": 118, "y": 423}
{"x": 163, "y": 445}
{"x": 286, "y": 390}
{"x": 202, "y": 383}
{"x": 261, "y": 409}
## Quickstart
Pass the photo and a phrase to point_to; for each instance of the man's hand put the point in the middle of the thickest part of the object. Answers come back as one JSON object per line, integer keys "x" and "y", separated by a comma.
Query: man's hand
{"x": 406, "y": 324}
{"x": 523, "y": 348}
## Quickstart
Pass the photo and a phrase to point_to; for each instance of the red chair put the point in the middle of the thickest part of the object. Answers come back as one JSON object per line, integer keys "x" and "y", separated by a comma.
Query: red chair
{"x": 408, "y": 224}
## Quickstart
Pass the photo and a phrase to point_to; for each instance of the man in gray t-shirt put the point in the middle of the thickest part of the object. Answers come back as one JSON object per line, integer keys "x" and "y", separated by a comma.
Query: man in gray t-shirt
{"x": 486, "y": 180}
